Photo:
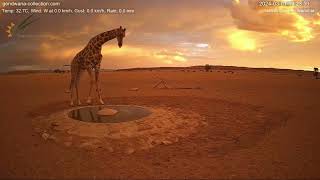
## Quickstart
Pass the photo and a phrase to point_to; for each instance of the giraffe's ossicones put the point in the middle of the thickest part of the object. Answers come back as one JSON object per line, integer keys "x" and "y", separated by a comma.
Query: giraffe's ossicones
{"x": 89, "y": 59}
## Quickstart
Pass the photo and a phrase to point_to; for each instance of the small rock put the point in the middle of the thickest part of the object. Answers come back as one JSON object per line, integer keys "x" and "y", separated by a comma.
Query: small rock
{"x": 45, "y": 136}
{"x": 54, "y": 124}
{"x": 52, "y": 137}
{"x": 129, "y": 151}
{"x": 133, "y": 89}
{"x": 107, "y": 112}
{"x": 166, "y": 142}
{"x": 203, "y": 123}
{"x": 86, "y": 144}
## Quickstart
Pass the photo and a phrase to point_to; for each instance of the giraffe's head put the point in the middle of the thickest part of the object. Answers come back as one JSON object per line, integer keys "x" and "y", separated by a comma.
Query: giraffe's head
{"x": 121, "y": 35}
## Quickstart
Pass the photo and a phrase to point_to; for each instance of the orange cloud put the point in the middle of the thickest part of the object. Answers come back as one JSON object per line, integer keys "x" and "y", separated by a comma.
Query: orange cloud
{"x": 242, "y": 40}
{"x": 317, "y": 19}
{"x": 165, "y": 56}
{"x": 283, "y": 20}
{"x": 125, "y": 50}
{"x": 48, "y": 52}
{"x": 170, "y": 57}
{"x": 52, "y": 53}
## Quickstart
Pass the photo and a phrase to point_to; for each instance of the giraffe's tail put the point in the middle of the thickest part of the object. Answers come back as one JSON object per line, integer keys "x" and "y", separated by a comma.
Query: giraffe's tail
{"x": 71, "y": 80}
{"x": 68, "y": 90}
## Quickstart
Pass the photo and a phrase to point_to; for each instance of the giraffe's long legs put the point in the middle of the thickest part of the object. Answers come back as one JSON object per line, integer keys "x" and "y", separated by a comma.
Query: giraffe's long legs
{"x": 89, "y": 100}
{"x": 98, "y": 85}
{"x": 77, "y": 80}
{"x": 71, "y": 91}
{"x": 73, "y": 72}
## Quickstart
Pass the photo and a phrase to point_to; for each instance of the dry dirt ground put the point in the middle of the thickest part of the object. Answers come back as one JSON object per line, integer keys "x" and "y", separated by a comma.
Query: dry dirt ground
{"x": 259, "y": 125}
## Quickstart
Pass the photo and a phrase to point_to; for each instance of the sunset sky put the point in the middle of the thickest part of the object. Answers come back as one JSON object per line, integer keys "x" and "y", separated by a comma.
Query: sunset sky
{"x": 170, "y": 33}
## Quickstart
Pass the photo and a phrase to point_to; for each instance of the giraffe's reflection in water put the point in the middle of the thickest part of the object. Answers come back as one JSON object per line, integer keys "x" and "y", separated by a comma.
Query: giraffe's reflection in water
{"x": 125, "y": 113}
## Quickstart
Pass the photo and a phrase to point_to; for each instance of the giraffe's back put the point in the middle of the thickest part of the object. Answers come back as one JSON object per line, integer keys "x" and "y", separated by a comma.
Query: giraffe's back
{"x": 87, "y": 58}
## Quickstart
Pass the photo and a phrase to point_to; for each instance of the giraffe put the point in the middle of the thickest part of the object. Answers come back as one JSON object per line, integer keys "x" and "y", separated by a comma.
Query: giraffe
{"x": 89, "y": 59}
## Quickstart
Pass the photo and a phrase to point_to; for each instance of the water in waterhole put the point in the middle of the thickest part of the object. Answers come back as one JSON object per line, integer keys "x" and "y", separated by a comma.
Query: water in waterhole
{"x": 125, "y": 113}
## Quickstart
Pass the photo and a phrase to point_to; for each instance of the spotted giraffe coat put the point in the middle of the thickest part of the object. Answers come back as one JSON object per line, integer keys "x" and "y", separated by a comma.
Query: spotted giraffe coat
{"x": 90, "y": 56}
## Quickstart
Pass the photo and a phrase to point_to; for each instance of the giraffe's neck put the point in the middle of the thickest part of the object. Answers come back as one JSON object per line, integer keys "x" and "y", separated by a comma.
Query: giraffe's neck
{"x": 102, "y": 38}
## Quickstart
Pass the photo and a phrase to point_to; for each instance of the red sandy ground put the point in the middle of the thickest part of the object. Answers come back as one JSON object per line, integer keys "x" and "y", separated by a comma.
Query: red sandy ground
{"x": 288, "y": 150}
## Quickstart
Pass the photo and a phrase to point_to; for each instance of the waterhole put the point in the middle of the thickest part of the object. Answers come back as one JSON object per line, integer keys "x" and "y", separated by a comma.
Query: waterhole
{"x": 123, "y": 113}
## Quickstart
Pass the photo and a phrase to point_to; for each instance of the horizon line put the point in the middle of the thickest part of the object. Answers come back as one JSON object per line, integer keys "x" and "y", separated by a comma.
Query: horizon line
{"x": 157, "y": 67}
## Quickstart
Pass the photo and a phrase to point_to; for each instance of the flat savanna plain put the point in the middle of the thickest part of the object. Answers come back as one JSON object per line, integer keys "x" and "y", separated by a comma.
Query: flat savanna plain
{"x": 236, "y": 142}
